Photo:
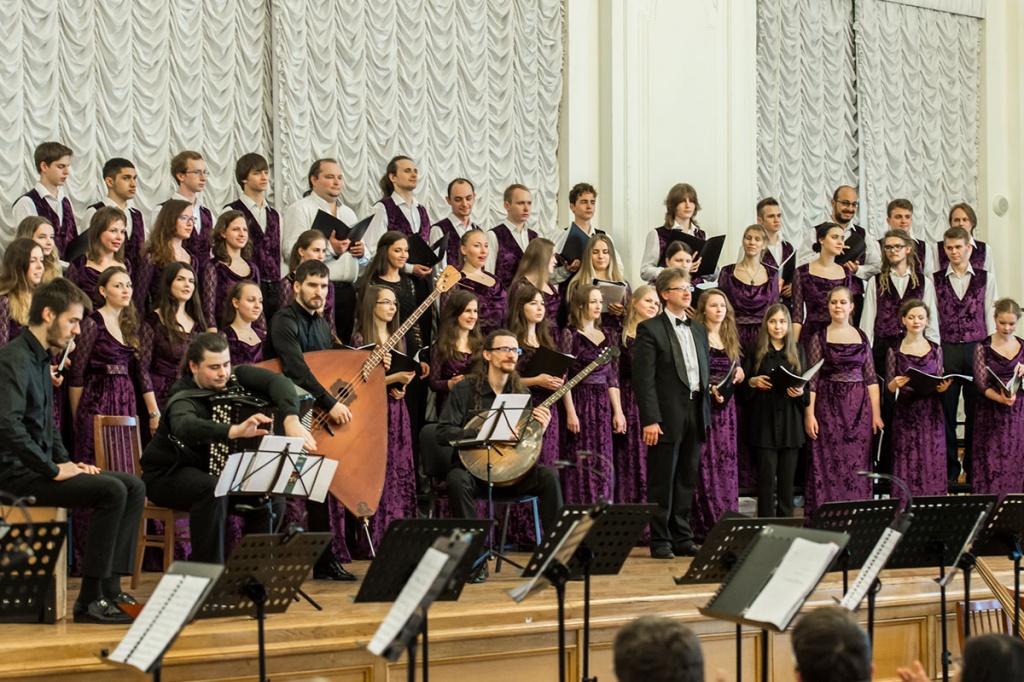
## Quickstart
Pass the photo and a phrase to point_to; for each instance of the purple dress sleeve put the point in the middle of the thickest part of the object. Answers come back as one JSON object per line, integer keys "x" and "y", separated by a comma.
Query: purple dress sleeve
{"x": 815, "y": 352}
{"x": 140, "y": 284}
{"x": 147, "y": 336}
{"x": 84, "y": 345}
{"x": 612, "y": 371}
{"x": 870, "y": 376}
{"x": 982, "y": 378}
{"x": 567, "y": 342}
{"x": 798, "y": 299}
{"x": 209, "y": 287}
{"x": 5, "y": 320}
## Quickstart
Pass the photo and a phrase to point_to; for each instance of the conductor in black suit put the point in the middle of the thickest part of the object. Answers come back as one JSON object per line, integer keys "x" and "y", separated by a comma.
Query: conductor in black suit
{"x": 670, "y": 378}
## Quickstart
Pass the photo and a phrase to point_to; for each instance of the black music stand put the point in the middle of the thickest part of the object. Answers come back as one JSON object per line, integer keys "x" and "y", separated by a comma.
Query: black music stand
{"x": 1002, "y": 535}
{"x": 262, "y": 576}
{"x": 616, "y": 530}
{"x": 942, "y": 529}
{"x": 721, "y": 551}
{"x": 28, "y": 558}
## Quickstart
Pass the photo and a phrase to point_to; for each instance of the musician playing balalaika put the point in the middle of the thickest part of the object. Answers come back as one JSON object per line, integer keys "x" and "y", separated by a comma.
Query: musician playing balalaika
{"x": 176, "y": 465}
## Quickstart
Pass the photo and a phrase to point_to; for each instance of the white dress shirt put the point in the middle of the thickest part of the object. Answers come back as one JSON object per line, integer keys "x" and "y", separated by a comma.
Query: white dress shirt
{"x": 259, "y": 212}
{"x": 24, "y": 207}
{"x": 689, "y": 347}
{"x": 900, "y": 283}
{"x": 299, "y": 217}
{"x": 649, "y": 269}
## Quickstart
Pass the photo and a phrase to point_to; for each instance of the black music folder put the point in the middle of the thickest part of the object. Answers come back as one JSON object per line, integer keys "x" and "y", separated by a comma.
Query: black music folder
{"x": 76, "y": 248}
{"x": 547, "y": 361}
{"x": 855, "y": 249}
{"x": 329, "y": 226}
{"x": 783, "y": 379}
{"x": 726, "y": 387}
{"x": 421, "y": 253}
{"x": 575, "y": 245}
{"x": 1007, "y": 388}
{"x": 400, "y": 362}
{"x": 924, "y": 383}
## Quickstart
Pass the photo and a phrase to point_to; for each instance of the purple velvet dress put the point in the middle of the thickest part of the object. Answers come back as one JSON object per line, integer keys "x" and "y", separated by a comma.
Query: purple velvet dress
{"x": 630, "y": 450}
{"x": 107, "y": 372}
{"x": 241, "y": 352}
{"x": 443, "y": 370}
{"x": 749, "y": 301}
{"x": 266, "y": 244}
{"x": 591, "y": 480}
{"x": 87, "y": 279}
{"x": 218, "y": 279}
{"x": 998, "y": 429}
{"x": 160, "y": 358}
{"x": 917, "y": 428}
{"x": 492, "y": 303}
{"x": 9, "y": 327}
{"x": 810, "y": 303}
{"x": 717, "y": 489}
{"x": 146, "y": 282}
{"x": 286, "y": 294}
{"x": 843, "y": 410}
{"x": 398, "y": 500}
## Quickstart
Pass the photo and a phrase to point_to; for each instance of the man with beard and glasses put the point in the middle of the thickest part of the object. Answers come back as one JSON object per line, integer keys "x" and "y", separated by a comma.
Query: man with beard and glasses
{"x": 33, "y": 461}
{"x": 300, "y": 328}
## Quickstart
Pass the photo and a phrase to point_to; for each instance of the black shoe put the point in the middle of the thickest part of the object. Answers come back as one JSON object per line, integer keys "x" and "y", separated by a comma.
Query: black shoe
{"x": 332, "y": 570}
{"x": 479, "y": 574}
{"x": 100, "y": 612}
{"x": 124, "y": 598}
{"x": 662, "y": 553}
{"x": 686, "y": 549}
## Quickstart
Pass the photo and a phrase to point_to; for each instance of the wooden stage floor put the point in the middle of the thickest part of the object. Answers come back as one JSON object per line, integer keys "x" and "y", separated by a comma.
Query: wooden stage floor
{"x": 483, "y": 636}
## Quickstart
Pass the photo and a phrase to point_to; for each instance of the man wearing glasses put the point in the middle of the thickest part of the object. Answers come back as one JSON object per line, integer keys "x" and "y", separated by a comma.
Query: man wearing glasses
{"x": 494, "y": 376}
{"x": 189, "y": 171}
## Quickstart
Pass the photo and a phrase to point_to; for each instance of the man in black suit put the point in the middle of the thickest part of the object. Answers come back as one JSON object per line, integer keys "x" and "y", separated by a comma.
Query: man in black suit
{"x": 670, "y": 378}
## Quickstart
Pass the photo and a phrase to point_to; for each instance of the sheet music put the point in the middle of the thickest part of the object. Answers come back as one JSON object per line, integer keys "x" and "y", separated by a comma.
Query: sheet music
{"x": 884, "y": 548}
{"x": 278, "y": 444}
{"x": 227, "y": 475}
{"x": 793, "y": 579}
{"x": 430, "y": 566}
{"x": 498, "y": 425}
{"x": 161, "y": 619}
{"x": 314, "y": 477}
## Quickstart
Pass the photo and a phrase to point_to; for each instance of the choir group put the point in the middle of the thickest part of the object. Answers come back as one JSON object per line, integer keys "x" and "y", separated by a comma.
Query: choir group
{"x": 889, "y": 320}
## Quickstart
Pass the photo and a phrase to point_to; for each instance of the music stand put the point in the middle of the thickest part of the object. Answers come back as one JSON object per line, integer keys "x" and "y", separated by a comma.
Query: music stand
{"x": 616, "y": 530}
{"x": 721, "y": 551}
{"x": 1002, "y": 535}
{"x": 942, "y": 529}
{"x": 28, "y": 557}
{"x": 262, "y": 576}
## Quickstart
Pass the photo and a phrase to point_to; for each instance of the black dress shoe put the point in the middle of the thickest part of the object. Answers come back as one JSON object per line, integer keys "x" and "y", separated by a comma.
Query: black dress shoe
{"x": 124, "y": 598}
{"x": 686, "y": 549}
{"x": 662, "y": 553}
{"x": 479, "y": 574}
{"x": 101, "y": 612}
{"x": 332, "y": 571}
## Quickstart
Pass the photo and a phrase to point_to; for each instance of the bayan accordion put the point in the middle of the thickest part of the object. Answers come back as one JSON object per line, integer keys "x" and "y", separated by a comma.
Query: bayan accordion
{"x": 234, "y": 406}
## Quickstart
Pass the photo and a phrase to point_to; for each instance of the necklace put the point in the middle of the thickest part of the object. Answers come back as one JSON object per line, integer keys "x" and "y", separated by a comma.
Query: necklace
{"x": 752, "y": 274}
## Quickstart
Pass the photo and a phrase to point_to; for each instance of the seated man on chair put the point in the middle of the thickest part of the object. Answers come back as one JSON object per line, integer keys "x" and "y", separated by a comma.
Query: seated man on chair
{"x": 476, "y": 392}
{"x": 33, "y": 461}
{"x": 176, "y": 463}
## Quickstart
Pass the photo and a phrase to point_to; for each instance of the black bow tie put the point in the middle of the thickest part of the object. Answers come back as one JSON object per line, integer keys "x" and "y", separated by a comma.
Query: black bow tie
{"x": 681, "y": 322}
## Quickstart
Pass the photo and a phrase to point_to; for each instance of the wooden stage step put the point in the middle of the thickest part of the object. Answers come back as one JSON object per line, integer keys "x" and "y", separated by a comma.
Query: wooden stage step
{"x": 483, "y": 636}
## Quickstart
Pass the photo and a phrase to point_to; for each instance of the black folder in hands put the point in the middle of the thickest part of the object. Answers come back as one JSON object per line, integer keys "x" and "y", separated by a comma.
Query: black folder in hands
{"x": 709, "y": 251}
{"x": 726, "y": 387}
{"x": 76, "y": 248}
{"x": 575, "y": 245}
{"x": 924, "y": 383}
{"x": 782, "y": 379}
{"x": 400, "y": 362}
{"x": 611, "y": 292}
{"x": 855, "y": 248}
{"x": 329, "y": 226}
{"x": 786, "y": 269}
{"x": 1007, "y": 388}
{"x": 420, "y": 253}
{"x": 547, "y": 361}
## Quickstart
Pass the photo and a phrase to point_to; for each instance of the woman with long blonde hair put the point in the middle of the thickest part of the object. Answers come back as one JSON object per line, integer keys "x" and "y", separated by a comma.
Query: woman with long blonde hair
{"x": 40, "y": 230}
{"x": 750, "y": 286}
{"x": 536, "y": 267}
{"x": 20, "y": 274}
{"x": 601, "y": 262}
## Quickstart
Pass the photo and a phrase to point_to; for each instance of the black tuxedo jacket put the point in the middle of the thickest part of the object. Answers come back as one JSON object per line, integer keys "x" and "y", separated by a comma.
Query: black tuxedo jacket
{"x": 659, "y": 377}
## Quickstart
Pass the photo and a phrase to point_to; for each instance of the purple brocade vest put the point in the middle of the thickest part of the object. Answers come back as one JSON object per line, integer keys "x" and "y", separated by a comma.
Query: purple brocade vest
{"x": 266, "y": 245}
{"x": 961, "y": 320}
{"x": 887, "y": 315}
{"x": 64, "y": 231}
{"x": 448, "y": 229}
{"x": 397, "y": 220}
{"x": 769, "y": 259}
{"x": 198, "y": 244}
{"x": 136, "y": 243}
{"x": 509, "y": 254}
{"x": 977, "y": 257}
{"x": 920, "y": 247}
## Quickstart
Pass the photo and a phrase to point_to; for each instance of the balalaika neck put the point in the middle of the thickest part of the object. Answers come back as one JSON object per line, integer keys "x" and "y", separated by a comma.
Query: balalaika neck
{"x": 568, "y": 386}
{"x": 383, "y": 349}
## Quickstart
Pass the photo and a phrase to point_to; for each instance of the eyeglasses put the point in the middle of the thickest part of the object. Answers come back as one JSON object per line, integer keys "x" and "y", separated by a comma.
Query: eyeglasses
{"x": 386, "y": 302}
{"x": 506, "y": 349}
{"x": 198, "y": 172}
{"x": 187, "y": 218}
{"x": 848, "y": 204}
{"x": 685, "y": 287}
{"x": 894, "y": 247}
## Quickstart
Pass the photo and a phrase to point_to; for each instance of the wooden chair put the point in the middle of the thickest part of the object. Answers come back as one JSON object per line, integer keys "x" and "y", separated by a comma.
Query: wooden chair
{"x": 987, "y": 616}
{"x": 118, "y": 448}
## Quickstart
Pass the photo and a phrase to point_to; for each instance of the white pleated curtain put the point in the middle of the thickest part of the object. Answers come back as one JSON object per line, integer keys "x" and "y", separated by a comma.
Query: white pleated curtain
{"x": 878, "y": 94}
{"x": 466, "y": 88}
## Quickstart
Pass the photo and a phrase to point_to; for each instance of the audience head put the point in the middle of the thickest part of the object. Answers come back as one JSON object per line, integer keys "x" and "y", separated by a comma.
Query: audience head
{"x": 992, "y": 658}
{"x": 899, "y": 214}
{"x": 189, "y": 170}
{"x": 230, "y": 232}
{"x": 108, "y": 233}
{"x": 53, "y": 161}
{"x": 252, "y": 171}
{"x": 656, "y": 649}
{"x": 829, "y": 646}
{"x": 461, "y": 197}
{"x": 208, "y": 361}
{"x": 325, "y": 180}
{"x": 311, "y": 245}
{"x": 518, "y": 203}
{"x": 120, "y": 177}
{"x": 244, "y": 301}
{"x": 681, "y": 204}
{"x": 56, "y": 312}
{"x": 401, "y": 174}
{"x": 962, "y": 215}
{"x": 844, "y": 204}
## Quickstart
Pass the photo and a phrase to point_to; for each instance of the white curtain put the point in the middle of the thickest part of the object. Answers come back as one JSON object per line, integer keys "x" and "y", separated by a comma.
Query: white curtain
{"x": 466, "y": 88}
{"x": 919, "y": 79}
{"x": 806, "y": 107}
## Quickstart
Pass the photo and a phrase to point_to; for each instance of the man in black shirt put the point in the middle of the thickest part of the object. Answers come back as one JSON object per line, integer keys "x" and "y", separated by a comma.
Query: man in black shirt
{"x": 176, "y": 463}
{"x": 296, "y": 329}
{"x": 33, "y": 461}
{"x": 477, "y": 392}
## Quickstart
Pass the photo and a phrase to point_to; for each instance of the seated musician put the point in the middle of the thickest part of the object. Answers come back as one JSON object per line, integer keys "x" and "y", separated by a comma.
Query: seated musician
{"x": 496, "y": 374}
{"x": 33, "y": 461}
{"x": 299, "y": 328}
{"x": 176, "y": 463}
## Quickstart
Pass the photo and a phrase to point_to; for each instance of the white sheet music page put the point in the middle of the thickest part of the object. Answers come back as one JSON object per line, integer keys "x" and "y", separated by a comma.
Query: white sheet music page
{"x": 794, "y": 578}
{"x": 872, "y": 567}
{"x": 408, "y": 601}
{"x": 161, "y": 619}
{"x": 227, "y": 475}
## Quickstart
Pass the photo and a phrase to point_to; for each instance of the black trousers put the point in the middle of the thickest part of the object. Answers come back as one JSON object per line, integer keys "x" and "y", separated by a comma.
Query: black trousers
{"x": 775, "y": 464}
{"x": 464, "y": 489}
{"x": 189, "y": 489}
{"x": 116, "y": 501}
{"x": 958, "y": 358}
{"x": 672, "y": 469}
{"x": 344, "y": 310}
{"x": 271, "y": 297}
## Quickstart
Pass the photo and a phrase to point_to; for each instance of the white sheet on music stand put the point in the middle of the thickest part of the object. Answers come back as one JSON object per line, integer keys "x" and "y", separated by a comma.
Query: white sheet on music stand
{"x": 498, "y": 426}
{"x": 315, "y": 466}
{"x": 409, "y": 599}
{"x": 277, "y": 444}
{"x": 227, "y": 475}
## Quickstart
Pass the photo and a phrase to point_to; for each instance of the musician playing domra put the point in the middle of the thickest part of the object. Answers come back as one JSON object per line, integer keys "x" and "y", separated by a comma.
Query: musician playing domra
{"x": 495, "y": 375}
{"x": 176, "y": 463}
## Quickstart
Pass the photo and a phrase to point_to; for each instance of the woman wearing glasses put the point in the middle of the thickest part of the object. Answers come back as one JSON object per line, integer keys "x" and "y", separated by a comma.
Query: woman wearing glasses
{"x": 174, "y": 225}
{"x": 189, "y": 171}
{"x": 813, "y": 282}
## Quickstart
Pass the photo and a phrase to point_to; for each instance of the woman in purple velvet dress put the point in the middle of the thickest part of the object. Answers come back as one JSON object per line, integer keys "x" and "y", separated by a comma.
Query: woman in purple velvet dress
{"x": 489, "y": 293}
{"x": 387, "y": 269}
{"x": 243, "y": 309}
{"x": 21, "y": 273}
{"x": 604, "y": 265}
{"x": 232, "y": 263}
{"x": 458, "y": 343}
{"x": 593, "y": 411}
{"x": 630, "y": 449}
{"x": 813, "y": 282}
{"x": 919, "y": 435}
{"x": 535, "y": 267}
{"x": 717, "y": 488}
{"x": 844, "y": 409}
{"x": 103, "y": 376}
{"x": 750, "y": 286}
{"x": 310, "y": 245}
{"x": 174, "y": 224}
{"x": 999, "y": 421}
{"x": 378, "y": 321}
{"x": 107, "y": 237}
{"x": 169, "y": 329}
{"x": 40, "y": 230}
